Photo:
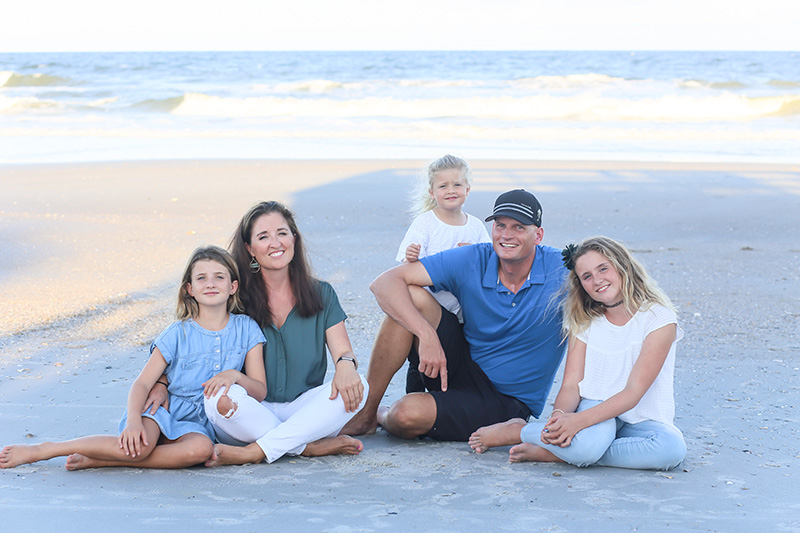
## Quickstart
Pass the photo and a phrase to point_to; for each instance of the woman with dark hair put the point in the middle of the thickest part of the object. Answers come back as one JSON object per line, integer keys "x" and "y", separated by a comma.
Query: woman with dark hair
{"x": 300, "y": 316}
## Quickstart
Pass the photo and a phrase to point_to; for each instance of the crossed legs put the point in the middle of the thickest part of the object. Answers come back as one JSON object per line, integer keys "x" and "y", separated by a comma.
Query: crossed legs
{"x": 308, "y": 426}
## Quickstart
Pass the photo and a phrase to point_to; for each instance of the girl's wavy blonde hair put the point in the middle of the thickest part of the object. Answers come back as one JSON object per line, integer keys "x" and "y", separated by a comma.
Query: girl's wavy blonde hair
{"x": 187, "y": 305}
{"x": 422, "y": 199}
{"x": 639, "y": 291}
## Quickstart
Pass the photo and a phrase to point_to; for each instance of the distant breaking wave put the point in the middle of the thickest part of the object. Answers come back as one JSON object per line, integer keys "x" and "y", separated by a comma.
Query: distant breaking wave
{"x": 732, "y": 106}
{"x": 723, "y": 107}
{"x": 12, "y": 79}
{"x": 583, "y": 107}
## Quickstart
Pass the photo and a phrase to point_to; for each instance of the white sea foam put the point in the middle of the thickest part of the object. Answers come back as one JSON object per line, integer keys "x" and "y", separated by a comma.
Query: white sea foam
{"x": 421, "y": 130}
{"x": 572, "y": 81}
{"x": 23, "y": 104}
{"x": 723, "y": 107}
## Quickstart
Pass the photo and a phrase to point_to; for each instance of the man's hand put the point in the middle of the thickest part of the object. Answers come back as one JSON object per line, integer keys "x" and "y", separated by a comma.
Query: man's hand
{"x": 432, "y": 361}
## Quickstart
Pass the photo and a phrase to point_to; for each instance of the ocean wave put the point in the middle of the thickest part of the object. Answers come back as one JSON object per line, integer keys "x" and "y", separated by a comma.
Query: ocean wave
{"x": 424, "y": 130}
{"x": 310, "y": 86}
{"x": 164, "y": 105}
{"x": 12, "y": 79}
{"x": 571, "y": 81}
{"x": 23, "y": 104}
{"x": 784, "y": 84}
{"x": 583, "y": 107}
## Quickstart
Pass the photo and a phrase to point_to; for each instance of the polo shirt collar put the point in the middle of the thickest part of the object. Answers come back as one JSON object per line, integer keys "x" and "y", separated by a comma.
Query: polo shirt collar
{"x": 491, "y": 277}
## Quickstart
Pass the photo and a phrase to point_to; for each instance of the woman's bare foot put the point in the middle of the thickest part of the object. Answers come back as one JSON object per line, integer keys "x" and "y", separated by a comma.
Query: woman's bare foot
{"x": 530, "y": 452}
{"x": 342, "y": 444}
{"x": 225, "y": 454}
{"x": 20, "y": 454}
{"x": 77, "y": 461}
{"x": 502, "y": 434}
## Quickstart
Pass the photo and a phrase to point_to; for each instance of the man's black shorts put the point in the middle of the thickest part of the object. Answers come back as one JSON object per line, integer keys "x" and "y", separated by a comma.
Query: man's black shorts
{"x": 471, "y": 401}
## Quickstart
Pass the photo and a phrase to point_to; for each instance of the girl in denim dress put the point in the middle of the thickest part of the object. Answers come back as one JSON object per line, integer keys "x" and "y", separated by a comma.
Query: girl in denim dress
{"x": 197, "y": 358}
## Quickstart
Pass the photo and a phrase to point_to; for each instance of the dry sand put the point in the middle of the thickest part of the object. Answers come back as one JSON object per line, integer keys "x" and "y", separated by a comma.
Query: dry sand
{"x": 90, "y": 254}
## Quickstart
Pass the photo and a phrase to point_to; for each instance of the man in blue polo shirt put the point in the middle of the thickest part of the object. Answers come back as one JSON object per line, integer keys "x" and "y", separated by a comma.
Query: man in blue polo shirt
{"x": 501, "y": 364}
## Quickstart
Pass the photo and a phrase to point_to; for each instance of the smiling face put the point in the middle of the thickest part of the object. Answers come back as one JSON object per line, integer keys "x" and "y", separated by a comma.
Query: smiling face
{"x": 599, "y": 278}
{"x": 272, "y": 242}
{"x": 449, "y": 188}
{"x": 513, "y": 241}
{"x": 211, "y": 283}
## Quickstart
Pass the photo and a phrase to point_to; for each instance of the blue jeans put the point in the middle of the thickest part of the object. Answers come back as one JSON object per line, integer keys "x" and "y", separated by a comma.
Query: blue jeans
{"x": 645, "y": 445}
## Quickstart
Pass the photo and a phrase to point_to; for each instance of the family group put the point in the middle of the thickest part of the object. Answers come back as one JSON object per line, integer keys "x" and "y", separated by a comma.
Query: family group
{"x": 483, "y": 320}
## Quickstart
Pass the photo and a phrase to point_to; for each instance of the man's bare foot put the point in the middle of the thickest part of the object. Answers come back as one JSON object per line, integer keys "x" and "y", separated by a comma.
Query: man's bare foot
{"x": 501, "y": 434}
{"x": 225, "y": 454}
{"x": 364, "y": 423}
{"x": 530, "y": 452}
{"x": 20, "y": 454}
{"x": 342, "y": 444}
{"x": 77, "y": 461}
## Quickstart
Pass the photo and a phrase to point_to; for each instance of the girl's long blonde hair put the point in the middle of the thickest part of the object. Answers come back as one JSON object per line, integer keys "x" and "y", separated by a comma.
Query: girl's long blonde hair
{"x": 187, "y": 305}
{"x": 422, "y": 199}
{"x": 638, "y": 290}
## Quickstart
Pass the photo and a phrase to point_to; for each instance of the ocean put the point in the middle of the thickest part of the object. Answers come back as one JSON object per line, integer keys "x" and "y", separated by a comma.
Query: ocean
{"x": 640, "y": 106}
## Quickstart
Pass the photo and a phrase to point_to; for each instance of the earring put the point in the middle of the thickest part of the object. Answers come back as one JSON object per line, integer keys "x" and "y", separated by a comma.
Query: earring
{"x": 255, "y": 266}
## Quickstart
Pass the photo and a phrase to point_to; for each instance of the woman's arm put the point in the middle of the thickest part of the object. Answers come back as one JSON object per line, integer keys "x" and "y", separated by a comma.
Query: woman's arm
{"x": 158, "y": 395}
{"x": 133, "y": 436}
{"x": 346, "y": 380}
{"x": 254, "y": 378}
{"x": 655, "y": 349}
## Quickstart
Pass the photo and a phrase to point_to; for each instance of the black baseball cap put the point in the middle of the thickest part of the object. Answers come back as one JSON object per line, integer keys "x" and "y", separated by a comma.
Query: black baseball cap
{"x": 520, "y": 205}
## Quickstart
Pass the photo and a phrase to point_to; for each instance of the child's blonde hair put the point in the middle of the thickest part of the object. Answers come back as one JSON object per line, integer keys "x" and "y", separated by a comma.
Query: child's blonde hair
{"x": 187, "y": 305}
{"x": 422, "y": 199}
{"x": 638, "y": 290}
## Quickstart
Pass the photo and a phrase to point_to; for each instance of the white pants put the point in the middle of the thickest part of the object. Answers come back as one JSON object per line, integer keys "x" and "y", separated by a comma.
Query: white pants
{"x": 281, "y": 428}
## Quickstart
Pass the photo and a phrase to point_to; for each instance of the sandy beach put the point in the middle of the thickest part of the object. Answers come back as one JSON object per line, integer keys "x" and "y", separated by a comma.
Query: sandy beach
{"x": 91, "y": 253}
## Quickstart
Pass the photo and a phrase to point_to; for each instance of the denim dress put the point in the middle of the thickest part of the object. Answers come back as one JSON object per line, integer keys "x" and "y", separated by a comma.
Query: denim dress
{"x": 194, "y": 355}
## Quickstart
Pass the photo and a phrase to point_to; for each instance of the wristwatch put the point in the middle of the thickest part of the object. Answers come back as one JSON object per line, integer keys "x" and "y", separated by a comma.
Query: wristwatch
{"x": 346, "y": 358}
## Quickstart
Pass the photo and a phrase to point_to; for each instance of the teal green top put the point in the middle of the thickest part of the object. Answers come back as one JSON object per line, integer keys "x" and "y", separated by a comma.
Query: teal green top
{"x": 295, "y": 356}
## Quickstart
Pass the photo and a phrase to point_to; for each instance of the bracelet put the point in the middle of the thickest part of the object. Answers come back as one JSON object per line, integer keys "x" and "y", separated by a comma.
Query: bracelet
{"x": 345, "y": 358}
{"x": 554, "y": 410}
{"x": 165, "y": 384}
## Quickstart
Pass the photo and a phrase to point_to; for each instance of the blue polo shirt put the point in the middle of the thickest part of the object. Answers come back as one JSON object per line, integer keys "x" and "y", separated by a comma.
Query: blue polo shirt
{"x": 514, "y": 338}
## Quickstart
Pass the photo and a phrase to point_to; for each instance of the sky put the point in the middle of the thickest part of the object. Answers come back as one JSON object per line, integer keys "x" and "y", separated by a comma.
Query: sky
{"x": 152, "y": 25}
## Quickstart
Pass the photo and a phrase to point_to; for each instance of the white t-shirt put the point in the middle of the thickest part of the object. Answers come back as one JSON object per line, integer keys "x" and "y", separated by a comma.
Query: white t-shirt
{"x": 611, "y": 352}
{"x": 435, "y": 236}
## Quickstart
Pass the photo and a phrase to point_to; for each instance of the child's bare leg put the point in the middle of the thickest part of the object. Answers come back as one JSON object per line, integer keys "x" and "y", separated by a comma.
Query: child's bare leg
{"x": 103, "y": 447}
{"x": 502, "y": 434}
{"x": 530, "y": 452}
{"x": 189, "y": 450}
